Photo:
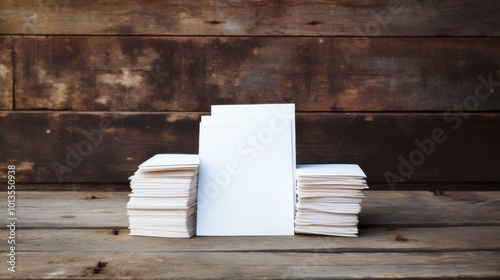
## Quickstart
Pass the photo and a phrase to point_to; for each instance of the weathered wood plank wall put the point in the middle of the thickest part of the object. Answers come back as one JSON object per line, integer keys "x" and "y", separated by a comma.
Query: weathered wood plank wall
{"x": 407, "y": 89}
{"x": 252, "y": 17}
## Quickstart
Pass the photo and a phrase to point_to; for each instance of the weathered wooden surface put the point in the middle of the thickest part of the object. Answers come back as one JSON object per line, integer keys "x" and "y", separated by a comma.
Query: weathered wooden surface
{"x": 56, "y": 143}
{"x": 6, "y": 74}
{"x": 434, "y": 187}
{"x": 437, "y": 188}
{"x": 316, "y": 73}
{"x": 249, "y": 265}
{"x": 125, "y": 187}
{"x": 389, "y": 62}
{"x": 52, "y": 143}
{"x": 407, "y": 209}
{"x": 420, "y": 239}
{"x": 252, "y": 17}
{"x": 93, "y": 248}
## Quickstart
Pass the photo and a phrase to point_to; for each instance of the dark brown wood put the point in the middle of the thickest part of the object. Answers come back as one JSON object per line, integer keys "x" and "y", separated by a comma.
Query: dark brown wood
{"x": 433, "y": 187}
{"x": 252, "y": 17}
{"x": 379, "y": 143}
{"x": 317, "y": 74}
{"x": 6, "y": 74}
{"x": 384, "y": 145}
{"x": 77, "y": 147}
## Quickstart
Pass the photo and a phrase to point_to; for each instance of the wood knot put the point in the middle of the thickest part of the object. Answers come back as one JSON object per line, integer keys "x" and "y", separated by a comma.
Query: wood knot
{"x": 314, "y": 22}
{"x": 100, "y": 266}
{"x": 215, "y": 22}
{"x": 401, "y": 238}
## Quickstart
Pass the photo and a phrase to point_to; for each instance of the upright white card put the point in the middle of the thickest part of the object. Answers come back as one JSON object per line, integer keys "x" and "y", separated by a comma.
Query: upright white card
{"x": 278, "y": 114}
{"x": 246, "y": 175}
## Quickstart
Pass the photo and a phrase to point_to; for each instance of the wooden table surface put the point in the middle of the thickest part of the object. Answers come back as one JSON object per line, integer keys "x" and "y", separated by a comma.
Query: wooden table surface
{"x": 402, "y": 235}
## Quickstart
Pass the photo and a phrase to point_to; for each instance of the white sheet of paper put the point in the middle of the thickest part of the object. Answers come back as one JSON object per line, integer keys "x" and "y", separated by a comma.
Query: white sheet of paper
{"x": 279, "y": 113}
{"x": 169, "y": 161}
{"x": 246, "y": 181}
{"x": 347, "y": 170}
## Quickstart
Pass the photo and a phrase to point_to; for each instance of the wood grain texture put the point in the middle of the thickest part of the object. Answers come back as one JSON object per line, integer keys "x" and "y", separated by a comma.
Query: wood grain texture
{"x": 252, "y": 17}
{"x": 80, "y": 148}
{"x": 125, "y": 187}
{"x": 417, "y": 209}
{"x": 437, "y": 188}
{"x": 379, "y": 143}
{"x": 392, "y": 209}
{"x": 425, "y": 239}
{"x": 317, "y": 74}
{"x": 382, "y": 143}
{"x": 68, "y": 235}
{"x": 6, "y": 74}
{"x": 252, "y": 265}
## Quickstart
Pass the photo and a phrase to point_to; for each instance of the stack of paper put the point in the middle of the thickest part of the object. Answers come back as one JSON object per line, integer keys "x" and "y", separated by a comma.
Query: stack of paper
{"x": 329, "y": 198}
{"x": 164, "y": 196}
{"x": 247, "y": 165}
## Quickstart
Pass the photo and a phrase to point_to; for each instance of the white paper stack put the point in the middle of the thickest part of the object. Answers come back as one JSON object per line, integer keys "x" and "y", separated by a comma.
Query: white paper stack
{"x": 247, "y": 165}
{"x": 329, "y": 199}
{"x": 164, "y": 196}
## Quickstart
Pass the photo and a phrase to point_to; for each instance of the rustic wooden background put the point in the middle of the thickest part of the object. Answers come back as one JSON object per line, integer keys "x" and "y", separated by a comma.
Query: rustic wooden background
{"x": 369, "y": 78}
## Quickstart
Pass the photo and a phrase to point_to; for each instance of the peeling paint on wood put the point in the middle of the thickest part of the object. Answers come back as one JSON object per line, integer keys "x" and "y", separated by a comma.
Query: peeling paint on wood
{"x": 190, "y": 74}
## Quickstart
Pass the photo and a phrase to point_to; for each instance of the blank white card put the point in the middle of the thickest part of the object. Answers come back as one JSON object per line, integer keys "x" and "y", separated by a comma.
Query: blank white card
{"x": 246, "y": 176}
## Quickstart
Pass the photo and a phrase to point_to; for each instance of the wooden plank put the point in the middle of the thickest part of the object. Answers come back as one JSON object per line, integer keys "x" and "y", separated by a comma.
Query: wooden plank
{"x": 441, "y": 239}
{"x": 425, "y": 209}
{"x": 71, "y": 209}
{"x": 222, "y": 17}
{"x": 93, "y": 187}
{"x": 6, "y": 77}
{"x": 380, "y": 209}
{"x": 437, "y": 188}
{"x": 205, "y": 265}
{"x": 382, "y": 145}
{"x": 317, "y": 74}
{"x": 395, "y": 252}
{"x": 91, "y": 147}
{"x": 46, "y": 148}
